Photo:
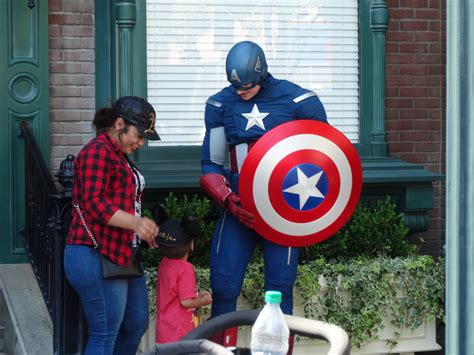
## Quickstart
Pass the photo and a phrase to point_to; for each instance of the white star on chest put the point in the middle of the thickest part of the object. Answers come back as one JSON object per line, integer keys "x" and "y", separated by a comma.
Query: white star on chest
{"x": 255, "y": 118}
{"x": 306, "y": 187}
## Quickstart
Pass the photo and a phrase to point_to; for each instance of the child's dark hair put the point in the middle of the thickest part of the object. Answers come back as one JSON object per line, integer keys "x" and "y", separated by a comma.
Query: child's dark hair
{"x": 176, "y": 252}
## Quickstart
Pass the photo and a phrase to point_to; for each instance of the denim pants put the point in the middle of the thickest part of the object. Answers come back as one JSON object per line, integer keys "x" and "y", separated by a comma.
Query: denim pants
{"x": 116, "y": 310}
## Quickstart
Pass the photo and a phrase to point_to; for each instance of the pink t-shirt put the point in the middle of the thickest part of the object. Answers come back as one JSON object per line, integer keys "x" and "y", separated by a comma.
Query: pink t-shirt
{"x": 176, "y": 282}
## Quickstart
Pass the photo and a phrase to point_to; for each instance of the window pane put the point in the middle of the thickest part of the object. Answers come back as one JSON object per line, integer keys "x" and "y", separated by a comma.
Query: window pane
{"x": 312, "y": 43}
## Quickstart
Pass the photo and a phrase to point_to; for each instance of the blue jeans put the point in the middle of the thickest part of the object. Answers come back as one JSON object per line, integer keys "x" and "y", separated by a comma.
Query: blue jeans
{"x": 116, "y": 310}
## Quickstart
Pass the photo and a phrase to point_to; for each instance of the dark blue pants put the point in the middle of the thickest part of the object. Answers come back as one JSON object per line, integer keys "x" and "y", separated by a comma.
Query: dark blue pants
{"x": 116, "y": 310}
{"x": 232, "y": 246}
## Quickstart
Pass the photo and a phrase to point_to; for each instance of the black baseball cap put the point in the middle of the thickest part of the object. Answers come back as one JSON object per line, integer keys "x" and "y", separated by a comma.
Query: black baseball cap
{"x": 138, "y": 112}
{"x": 175, "y": 232}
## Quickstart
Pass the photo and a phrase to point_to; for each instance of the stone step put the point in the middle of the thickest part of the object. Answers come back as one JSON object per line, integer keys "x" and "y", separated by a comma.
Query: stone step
{"x": 28, "y": 326}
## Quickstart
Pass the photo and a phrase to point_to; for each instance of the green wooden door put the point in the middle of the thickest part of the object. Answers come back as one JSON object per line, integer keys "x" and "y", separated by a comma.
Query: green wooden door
{"x": 24, "y": 93}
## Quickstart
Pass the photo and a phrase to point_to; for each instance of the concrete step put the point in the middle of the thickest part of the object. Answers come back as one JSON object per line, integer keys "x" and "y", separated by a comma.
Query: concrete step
{"x": 27, "y": 325}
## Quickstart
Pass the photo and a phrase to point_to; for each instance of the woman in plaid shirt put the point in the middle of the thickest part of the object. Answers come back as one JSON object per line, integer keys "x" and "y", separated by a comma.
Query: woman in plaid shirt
{"x": 108, "y": 190}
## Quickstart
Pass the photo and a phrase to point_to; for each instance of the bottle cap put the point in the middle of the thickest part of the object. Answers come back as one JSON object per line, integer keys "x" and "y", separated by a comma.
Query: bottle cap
{"x": 273, "y": 296}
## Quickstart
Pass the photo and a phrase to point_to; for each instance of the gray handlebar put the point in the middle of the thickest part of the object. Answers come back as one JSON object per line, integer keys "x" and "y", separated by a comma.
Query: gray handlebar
{"x": 188, "y": 346}
{"x": 335, "y": 335}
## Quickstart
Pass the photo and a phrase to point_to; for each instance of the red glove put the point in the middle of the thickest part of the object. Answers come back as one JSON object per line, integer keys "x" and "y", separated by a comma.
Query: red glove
{"x": 218, "y": 188}
{"x": 245, "y": 217}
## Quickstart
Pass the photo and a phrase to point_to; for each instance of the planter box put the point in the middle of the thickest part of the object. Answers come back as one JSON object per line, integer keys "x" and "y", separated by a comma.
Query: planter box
{"x": 421, "y": 339}
{"x": 148, "y": 339}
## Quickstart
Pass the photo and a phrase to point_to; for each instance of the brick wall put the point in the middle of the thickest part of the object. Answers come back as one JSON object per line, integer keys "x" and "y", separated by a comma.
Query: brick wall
{"x": 415, "y": 96}
{"x": 72, "y": 76}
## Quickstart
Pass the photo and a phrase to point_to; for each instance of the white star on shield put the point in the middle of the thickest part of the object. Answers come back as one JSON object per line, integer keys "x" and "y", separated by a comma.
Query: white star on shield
{"x": 306, "y": 187}
{"x": 255, "y": 118}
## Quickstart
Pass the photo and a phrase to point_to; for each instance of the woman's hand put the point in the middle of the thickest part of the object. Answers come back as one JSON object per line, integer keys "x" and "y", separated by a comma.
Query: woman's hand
{"x": 147, "y": 230}
{"x": 144, "y": 227}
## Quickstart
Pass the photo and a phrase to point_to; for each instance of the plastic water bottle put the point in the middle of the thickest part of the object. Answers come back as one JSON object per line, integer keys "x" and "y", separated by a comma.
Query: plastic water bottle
{"x": 270, "y": 331}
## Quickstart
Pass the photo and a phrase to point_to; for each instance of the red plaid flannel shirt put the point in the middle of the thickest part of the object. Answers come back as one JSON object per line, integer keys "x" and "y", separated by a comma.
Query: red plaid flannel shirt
{"x": 103, "y": 184}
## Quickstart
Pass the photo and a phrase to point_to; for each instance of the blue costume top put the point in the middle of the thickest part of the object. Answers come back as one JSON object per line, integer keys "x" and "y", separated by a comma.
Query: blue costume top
{"x": 231, "y": 121}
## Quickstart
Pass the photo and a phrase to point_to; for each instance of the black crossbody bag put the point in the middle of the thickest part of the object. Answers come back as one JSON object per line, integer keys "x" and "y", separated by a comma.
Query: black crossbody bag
{"x": 110, "y": 270}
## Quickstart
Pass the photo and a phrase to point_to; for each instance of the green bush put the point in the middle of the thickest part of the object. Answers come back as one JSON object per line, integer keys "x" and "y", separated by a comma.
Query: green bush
{"x": 357, "y": 293}
{"x": 369, "y": 270}
{"x": 368, "y": 233}
{"x": 360, "y": 291}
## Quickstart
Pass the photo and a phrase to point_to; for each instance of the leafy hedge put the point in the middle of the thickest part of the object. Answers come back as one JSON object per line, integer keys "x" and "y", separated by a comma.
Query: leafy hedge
{"x": 357, "y": 293}
{"x": 368, "y": 233}
{"x": 380, "y": 231}
{"x": 368, "y": 270}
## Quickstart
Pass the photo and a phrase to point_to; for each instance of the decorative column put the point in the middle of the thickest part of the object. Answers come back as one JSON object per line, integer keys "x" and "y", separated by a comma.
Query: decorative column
{"x": 460, "y": 179}
{"x": 379, "y": 25}
{"x": 126, "y": 18}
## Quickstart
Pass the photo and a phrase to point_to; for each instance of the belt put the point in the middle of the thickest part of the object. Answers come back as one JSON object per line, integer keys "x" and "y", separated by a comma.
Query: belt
{"x": 238, "y": 153}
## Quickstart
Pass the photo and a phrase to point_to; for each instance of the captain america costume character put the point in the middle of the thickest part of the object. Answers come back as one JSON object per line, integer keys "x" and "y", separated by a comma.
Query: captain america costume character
{"x": 233, "y": 124}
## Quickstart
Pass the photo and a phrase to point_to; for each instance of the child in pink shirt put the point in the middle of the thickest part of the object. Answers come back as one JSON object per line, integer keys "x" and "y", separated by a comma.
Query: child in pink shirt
{"x": 176, "y": 292}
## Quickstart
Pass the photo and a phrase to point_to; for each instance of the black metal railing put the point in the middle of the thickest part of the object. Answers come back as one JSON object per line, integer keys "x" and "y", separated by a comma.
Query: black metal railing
{"x": 39, "y": 186}
{"x": 48, "y": 216}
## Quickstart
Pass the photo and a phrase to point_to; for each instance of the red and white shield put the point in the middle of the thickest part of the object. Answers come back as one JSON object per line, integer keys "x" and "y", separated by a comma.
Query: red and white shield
{"x": 302, "y": 180}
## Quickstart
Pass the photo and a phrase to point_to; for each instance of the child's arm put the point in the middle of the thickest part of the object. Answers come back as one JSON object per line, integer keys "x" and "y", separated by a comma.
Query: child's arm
{"x": 203, "y": 299}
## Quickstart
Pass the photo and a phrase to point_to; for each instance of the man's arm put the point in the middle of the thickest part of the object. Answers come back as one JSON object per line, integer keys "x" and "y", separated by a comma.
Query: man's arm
{"x": 213, "y": 158}
{"x": 214, "y": 153}
{"x": 310, "y": 107}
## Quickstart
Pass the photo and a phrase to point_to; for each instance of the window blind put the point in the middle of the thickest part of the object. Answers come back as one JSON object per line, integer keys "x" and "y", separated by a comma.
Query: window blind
{"x": 312, "y": 43}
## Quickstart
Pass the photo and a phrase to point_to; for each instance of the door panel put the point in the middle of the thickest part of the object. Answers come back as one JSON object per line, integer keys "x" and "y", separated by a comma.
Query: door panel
{"x": 24, "y": 93}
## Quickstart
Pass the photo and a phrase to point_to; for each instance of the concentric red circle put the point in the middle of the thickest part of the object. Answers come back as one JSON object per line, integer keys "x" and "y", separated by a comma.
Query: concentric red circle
{"x": 278, "y": 151}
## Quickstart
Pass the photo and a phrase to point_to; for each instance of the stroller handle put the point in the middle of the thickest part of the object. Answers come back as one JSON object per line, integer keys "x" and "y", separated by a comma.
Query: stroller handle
{"x": 335, "y": 335}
